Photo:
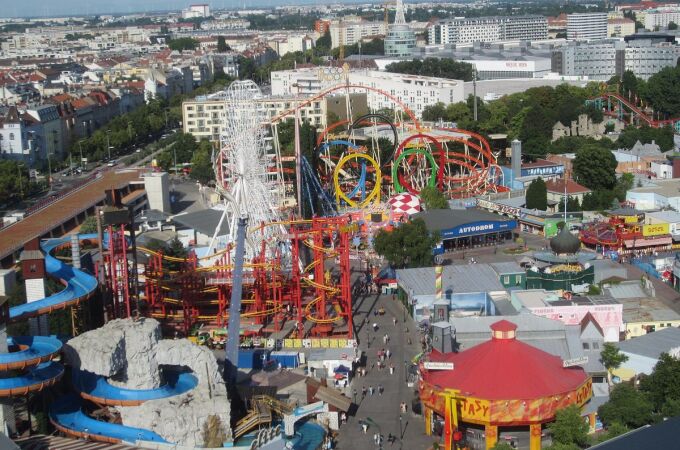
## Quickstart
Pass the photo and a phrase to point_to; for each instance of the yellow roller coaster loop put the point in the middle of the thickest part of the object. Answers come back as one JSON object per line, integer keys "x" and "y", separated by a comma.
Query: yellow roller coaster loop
{"x": 330, "y": 289}
{"x": 314, "y": 319}
{"x": 373, "y": 196}
{"x": 329, "y": 251}
{"x": 266, "y": 312}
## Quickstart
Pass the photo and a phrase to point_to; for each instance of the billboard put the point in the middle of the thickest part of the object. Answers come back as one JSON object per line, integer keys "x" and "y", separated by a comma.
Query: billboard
{"x": 657, "y": 229}
{"x": 476, "y": 228}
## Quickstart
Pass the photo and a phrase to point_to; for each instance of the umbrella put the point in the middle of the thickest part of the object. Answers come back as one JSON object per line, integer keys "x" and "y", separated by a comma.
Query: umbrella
{"x": 341, "y": 369}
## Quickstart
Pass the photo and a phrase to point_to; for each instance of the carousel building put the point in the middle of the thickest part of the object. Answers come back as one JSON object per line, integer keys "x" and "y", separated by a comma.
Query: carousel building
{"x": 502, "y": 385}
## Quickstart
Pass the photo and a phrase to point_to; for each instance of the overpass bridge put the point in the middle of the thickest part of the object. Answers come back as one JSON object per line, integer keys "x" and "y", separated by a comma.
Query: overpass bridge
{"x": 65, "y": 213}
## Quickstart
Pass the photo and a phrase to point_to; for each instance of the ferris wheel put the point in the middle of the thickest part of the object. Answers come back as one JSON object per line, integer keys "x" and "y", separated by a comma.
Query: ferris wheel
{"x": 246, "y": 167}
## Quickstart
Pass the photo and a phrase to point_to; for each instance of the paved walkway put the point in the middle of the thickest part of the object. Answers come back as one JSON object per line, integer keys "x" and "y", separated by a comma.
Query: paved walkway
{"x": 383, "y": 410}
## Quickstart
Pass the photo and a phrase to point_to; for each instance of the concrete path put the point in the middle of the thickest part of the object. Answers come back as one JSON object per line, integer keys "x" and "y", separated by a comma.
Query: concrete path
{"x": 382, "y": 411}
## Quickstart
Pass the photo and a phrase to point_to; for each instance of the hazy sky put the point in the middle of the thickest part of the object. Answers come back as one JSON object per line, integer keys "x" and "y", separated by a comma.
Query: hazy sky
{"x": 25, "y": 8}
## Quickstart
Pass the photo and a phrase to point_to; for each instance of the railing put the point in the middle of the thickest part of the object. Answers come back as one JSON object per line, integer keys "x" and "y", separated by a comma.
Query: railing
{"x": 61, "y": 194}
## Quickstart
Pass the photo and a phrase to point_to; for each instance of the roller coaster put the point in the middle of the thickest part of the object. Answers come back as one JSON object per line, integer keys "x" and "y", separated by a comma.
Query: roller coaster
{"x": 616, "y": 105}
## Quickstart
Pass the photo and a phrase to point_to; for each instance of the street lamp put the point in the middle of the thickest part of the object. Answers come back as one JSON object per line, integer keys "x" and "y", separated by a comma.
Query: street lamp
{"x": 108, "y": 143}
{"x": 80, "y": 146}
{"x": 21, "y": 183}
{"x": 401, "y": 427}
{"x": 406, "y": 371}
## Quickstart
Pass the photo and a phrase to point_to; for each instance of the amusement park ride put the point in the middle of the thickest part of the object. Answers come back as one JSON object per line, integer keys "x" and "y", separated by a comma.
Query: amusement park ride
{"x": 296, "y": 273}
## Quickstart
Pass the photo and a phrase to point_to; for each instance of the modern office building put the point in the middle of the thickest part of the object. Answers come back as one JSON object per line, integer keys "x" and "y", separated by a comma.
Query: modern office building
{"x": 400, "y": 40}
{"x": 586, "y": 26}
{"x": 601, "y": 60}
{"x": 487, "y": 29}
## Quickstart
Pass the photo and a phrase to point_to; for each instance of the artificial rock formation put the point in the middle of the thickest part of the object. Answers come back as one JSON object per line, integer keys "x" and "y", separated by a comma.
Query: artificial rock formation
{"x": 130, "y": 353}
{"x": 123, "y": 351}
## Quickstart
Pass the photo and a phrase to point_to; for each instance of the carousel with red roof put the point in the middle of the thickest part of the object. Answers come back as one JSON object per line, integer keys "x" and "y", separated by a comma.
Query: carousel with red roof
{"x": 500, "y": 384}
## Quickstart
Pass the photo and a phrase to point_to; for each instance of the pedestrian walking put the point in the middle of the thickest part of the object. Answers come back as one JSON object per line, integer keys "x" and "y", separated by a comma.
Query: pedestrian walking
{"x": 388, "y": 353}
{"x": 363, "y": 392}
{"x": 364, "y": 426}
{"x": 370, "y": 390}
{"x": 375, "y": 438}
{"x": 380, "y": 389}
{"x": 394, "y": 321}
{"x": 375, "y": 326}
{"x": 391, "y": 369}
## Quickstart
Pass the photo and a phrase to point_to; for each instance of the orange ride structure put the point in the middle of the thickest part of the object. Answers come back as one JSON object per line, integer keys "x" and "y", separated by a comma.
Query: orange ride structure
{"x": 501, "y": 383}
{"x": 312, "y": 288}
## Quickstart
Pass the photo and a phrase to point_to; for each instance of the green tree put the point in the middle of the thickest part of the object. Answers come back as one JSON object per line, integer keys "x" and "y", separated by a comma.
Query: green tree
{"x": 434, "y": 67}
{"x": 324, "y": 42}
{"x": 610, "y": 356}
{"x": 180, "y": 44}
{"x": 89, "y": 225}
{"x": 572, "y": 205}
{"x": 537, "y": 195}
{"x": 569, "y": 427}
{"x": 409, "y": 245}
{"x": 222, "y": 44}
{"x": 434, "y": 113}
{"x": 627, "y": 406}
{"x": 662, "y": 385}
{"x": 672, "y": 25}
{"x": 433, "y": 198}
{"x": 663, "y": 137}
{"x": 662, "y": 91}
{"x": 595, "y": 167}
{"x": 201, "y": 163}
{"x": 623, "y": 185}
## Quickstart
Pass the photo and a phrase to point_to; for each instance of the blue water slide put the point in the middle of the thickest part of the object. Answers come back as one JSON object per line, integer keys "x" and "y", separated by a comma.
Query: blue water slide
{"x": 97, "y": 386}
{"x": 34, "y": 379}
{"x": 67, "y": 414}
{"x": 79, "y": 284}
{"x": 29, "y": 351}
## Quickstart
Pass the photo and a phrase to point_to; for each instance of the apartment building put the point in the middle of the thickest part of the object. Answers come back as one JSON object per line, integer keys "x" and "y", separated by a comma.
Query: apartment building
{"x": 349, "y": 31}
{"x": 487, "y": 29}
{"x": 416, "y": 92}
{"x": 586, "y": 26}
{"x": 203, "y": 117}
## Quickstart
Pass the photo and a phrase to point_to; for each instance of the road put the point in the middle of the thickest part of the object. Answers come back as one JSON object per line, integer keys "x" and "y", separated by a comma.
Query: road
{"x": 383, "y": 410}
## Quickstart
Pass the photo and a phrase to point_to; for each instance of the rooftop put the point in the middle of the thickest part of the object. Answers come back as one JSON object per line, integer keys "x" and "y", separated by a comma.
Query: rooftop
{"x": 204, "y": 222}
{"x": 661, "y": 435}
{"x": 456, "y": 279}
{"x": 665, "y": 216}
{"x": 667, "y": 188}
{"x": 444, "y": 219}
{"x": 498, "y": 370}
{"x": 557, "y": 186}
{"x": 652, "y": 345}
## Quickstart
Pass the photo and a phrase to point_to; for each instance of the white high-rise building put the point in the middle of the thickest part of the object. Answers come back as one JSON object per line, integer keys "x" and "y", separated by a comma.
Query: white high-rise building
{"x": 586, "y": 26}
{"x": 349, "y": 31}
{"x": 487, "y": 29}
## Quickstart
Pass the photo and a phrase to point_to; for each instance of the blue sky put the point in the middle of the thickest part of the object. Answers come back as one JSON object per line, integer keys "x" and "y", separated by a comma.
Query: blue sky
{"x": 23, "y": 8}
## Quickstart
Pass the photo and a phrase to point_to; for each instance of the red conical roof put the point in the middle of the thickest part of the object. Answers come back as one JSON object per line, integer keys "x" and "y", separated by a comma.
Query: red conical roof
{"x": 504, "y": 368}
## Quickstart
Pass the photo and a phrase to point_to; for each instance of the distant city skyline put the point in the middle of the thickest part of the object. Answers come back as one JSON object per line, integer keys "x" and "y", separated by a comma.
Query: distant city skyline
{"x": 58, "y": 8}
